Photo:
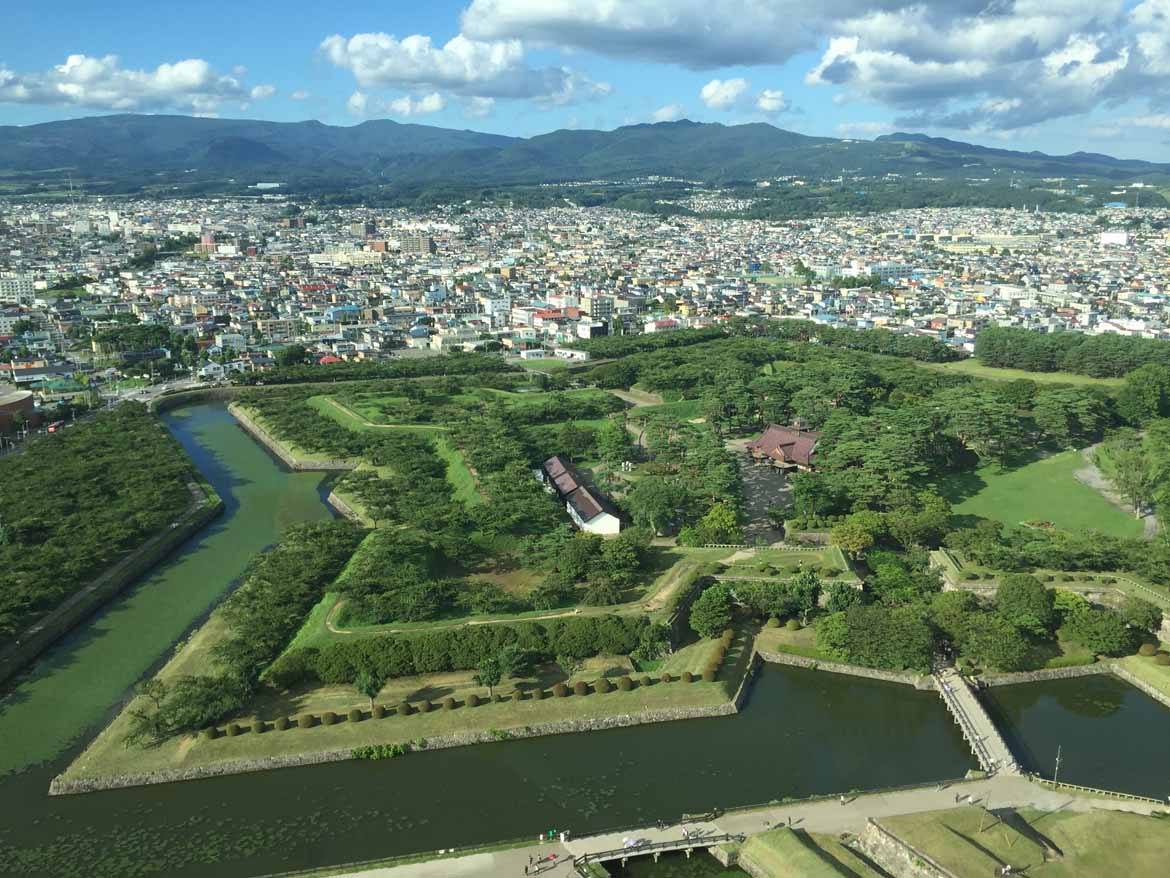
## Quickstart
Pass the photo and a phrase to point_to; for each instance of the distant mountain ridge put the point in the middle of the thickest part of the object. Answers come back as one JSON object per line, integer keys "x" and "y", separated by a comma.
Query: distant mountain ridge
{"x": 125, "y": 150}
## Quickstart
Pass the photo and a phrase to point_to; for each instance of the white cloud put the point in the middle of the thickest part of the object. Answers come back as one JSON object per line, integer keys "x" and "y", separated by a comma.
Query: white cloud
{"x": 479, "y": 108}
{"x": 408, "y": 106}
{"x": 771, "y": 101}
{"x": 102, "y": 83}
{"x": 1153, "y": 121}
{"x": 358, "y": 103}
{"x": 864, "y": 129}
{"x": 470, "y": 68}
{"x": 982, "y": 64}
{"x": 669, "y": 113}
{"x": 260, "y": 92}
{"x": 300, "y": 95}
{"x": 364, "y": 105}
{"x": 723, "y": 94}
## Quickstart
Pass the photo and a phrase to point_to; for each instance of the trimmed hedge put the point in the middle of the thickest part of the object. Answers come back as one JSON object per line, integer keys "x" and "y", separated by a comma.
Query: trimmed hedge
{"x": 560, "y": 690}
{"x": 232, "y": 729}
{"x": 210, "y": 733}
{"x": 354, "y": 715}
{"x": 645, "y": 682}
{"x": 792, "y": 625}
{"x": 281, "y": 723}
{"x": 258, "y": 727}
{"x": 688, "y": 677}
{"x": 1162, "y": 659}
{"x": 666, "y": 678}
{"x": 625, "y": 683}
{"x": 306, "y": 721}
{"x": 517, "y": 694}
{"x": 773, "y": 622}
{"x": 328, "y": 718}
{"x": 1147, "y": 649}
{"x": 448, "y": 703}
{"x": 537, "y": 694}
{"x": 425, "y": 706}
{"x": 404, "y": 708}
{"x": 580, "y": 688}
{"x": 379, "y": 711}
{"x": 603, "y": 685}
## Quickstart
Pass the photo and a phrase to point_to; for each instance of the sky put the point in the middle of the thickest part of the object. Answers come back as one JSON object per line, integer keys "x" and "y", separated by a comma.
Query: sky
{"x": 1054, "y": 75}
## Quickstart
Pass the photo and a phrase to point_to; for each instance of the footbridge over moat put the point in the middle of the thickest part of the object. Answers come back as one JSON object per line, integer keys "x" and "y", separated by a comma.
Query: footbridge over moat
{"x": 620, "y": 847}
{"x": 981, "y": 733}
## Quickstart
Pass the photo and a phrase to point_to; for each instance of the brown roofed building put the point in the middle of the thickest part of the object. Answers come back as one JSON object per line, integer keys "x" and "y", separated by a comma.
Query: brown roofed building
{"x": 786, "y": 447}
{"x": 589, "y": 509}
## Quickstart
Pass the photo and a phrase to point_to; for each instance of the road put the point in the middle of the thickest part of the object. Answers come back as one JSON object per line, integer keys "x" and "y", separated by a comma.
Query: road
{"x": 832, "y": 816}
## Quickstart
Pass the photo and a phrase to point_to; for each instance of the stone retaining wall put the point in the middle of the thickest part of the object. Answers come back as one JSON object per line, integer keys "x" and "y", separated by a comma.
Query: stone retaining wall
{"x": 22, "y": 650}
{"x": 280, "y": 451}
{"x": 62, "y": 787}
{"x": 896, "y": 856}
{"x": 918, "y": 681}
{"x": 168, "y": 401}
{"x": 342, "y": 507}
{"x": 1046, "y": 674}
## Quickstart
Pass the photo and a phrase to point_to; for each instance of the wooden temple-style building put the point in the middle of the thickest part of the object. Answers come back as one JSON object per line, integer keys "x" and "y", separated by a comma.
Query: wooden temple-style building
{"x": 786, "y": 448}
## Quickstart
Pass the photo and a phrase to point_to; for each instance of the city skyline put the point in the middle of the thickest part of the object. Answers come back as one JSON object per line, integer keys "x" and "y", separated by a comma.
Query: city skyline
{"x": 1058, "y": 77}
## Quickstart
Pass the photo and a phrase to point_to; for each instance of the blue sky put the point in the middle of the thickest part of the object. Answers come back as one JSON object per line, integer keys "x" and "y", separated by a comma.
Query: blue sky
{"x": 1056, "y": 75}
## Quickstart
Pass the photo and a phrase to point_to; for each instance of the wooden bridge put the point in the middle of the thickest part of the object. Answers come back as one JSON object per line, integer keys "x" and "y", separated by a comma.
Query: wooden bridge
{"x": 984, "y": 738}
{"x": 643, "y": 843}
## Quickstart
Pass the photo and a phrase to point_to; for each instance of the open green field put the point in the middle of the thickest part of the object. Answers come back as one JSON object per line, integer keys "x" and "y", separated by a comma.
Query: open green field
{"x": 1146, "y": 670}
{"x": 976, "y": 369}
{"x": 802, "y": 641}
{"x": 1044, "y": 490}
{"x": 787, "y": 851}
{"x": 829, "y": 563}
{"x": 972, "y": 843}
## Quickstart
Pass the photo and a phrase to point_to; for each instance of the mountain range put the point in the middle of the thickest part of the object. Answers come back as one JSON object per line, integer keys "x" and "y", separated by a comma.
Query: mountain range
{"x": 127, "y": 152}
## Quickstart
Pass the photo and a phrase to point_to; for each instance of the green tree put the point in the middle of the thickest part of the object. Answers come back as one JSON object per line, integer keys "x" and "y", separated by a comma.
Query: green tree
{"x": 293, "y": 355}
{"x": 854, "y": 537}
{"x": 1142, "y": 615}
{"x": 993, "y": 641}
{"x": 712, "y": 612}
{"x": 490, "y": 673}
{"x": 1023, "y": 601}
{"x": 654, "y": 502}
{"x": 1103, "y": 631}
{"x": 369, "y": 683}
{"x": 613, "y": 443}
{"x": 1145, "y": 395}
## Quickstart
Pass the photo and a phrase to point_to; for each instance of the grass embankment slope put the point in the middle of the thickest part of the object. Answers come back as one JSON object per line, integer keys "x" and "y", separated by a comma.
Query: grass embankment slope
{"x": 108, "y": 756}
{"x": 784, "y": 851}
{"x": 976, "y": 369}
{"x": 1044, "y": 490}
{"x": 972, "y": 842}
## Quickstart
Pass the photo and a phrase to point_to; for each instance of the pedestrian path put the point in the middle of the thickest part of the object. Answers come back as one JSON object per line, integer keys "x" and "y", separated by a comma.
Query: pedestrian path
{"x": 986, "y": 742}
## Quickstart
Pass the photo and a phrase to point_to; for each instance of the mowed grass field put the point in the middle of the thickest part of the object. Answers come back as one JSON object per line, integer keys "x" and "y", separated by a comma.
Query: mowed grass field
{"x": 1044, "y": 490}
{"x": 971, "y": 842}
{"x": 976, "y": 369}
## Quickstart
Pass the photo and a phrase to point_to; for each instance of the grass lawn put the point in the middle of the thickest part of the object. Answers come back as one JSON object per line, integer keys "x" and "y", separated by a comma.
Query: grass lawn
{"x": 547, "y": 364}
{"x": 976, "y": 369}
{"x": 953, "y": 838}
{"x": 788, "y": 852}
{"x": 802, "y": 642}
{"x": 108, "y": 755}
{"x": 1102, "y": 843}
{"x": 683, "y": 410}
{"x": 1044, "y": 490}
{"x": 830, "y": 846}
{"x": 780, "y": 564}
{"x": 1144, "y": 669}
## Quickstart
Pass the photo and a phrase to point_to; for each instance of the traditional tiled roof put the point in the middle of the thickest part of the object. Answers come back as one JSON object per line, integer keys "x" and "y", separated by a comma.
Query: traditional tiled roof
{"x": 786, "y": 444}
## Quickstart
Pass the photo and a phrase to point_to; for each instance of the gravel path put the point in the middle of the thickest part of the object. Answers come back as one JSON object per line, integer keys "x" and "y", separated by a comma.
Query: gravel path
{"x": 1090, "y": 474}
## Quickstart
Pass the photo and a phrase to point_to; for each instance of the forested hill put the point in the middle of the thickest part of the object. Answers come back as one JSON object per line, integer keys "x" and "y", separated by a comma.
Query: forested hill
{"x": 118, "y": 151}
